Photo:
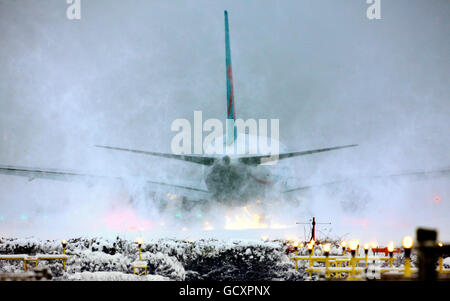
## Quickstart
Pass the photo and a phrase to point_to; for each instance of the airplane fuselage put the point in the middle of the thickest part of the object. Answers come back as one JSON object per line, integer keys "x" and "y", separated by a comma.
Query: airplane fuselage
{"x": 236, "y": 183}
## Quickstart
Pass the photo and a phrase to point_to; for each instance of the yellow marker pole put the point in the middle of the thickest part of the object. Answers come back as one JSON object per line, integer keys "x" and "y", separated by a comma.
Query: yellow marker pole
{"x": 326, "y": 251}
{"x": 310, "y": 263}
{"x": 366, "y": 252}
{"x": 139, "y": 243}
{"x": 343, "y": 245}
{"x": 64, "y": 244}
{"x": 353, "y": 265}
{"x": 295, "y": 255}
{"x": 407, "y": 245}
{"x": 407, "y": 272}
{"x": 390, "y": 249}
{"x": 353, "y": 246}
{"x": 310, "y": 251}
{"x": 441, "y": 260}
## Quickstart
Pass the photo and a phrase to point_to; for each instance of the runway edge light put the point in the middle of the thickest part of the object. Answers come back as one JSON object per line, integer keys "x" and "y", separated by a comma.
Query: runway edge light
{"x": 407, "y": 245}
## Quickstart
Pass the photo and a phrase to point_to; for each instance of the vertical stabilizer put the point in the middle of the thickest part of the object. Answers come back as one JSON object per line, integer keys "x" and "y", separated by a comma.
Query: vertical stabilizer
{"x": 231, "y": 114}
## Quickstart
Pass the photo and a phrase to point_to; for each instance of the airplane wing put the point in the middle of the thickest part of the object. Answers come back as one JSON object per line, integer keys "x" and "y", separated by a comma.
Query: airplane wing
{"x": 66, "y": 175}
{"x": 413, "y": 174}
{"x": 255, "y": 160}
{"x": 203, "y": 160}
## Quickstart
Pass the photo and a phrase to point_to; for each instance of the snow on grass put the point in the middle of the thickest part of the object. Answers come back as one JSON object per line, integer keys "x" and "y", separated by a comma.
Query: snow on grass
{"x": 172, "y": 259}
{"x": 111, "y": 276}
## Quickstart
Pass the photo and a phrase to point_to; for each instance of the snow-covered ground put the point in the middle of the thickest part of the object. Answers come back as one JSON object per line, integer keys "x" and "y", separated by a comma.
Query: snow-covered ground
{"x": 167, "y": 259}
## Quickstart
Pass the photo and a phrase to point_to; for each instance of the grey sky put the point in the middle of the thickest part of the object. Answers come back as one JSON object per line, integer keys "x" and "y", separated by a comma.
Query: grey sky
{"x": 127, "y": 69}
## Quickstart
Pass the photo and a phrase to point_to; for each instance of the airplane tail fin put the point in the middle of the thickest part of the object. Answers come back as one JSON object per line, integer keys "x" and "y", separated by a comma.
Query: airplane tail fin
{"x": 231, "y": 113}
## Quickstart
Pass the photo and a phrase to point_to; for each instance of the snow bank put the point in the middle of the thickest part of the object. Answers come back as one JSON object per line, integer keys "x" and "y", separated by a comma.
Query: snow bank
{"x": 111, "y": 276}
{"x": 167, "y": 259}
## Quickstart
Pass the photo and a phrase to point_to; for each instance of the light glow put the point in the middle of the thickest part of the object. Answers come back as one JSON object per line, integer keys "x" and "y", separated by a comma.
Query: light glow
{"x": 207, "y": 227}
{"x": 390, "y": 246}
{"x": 354, "y": 245}
{"x": 407, "y": 242}
{"x": 242, "y": 218}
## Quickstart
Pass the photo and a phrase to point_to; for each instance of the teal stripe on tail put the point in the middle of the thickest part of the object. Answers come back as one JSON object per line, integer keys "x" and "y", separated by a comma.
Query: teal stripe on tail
{"x": 231, "y": 115}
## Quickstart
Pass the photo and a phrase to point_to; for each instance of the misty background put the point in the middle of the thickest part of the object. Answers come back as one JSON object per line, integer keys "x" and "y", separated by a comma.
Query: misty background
{"x": 127, "y": 69}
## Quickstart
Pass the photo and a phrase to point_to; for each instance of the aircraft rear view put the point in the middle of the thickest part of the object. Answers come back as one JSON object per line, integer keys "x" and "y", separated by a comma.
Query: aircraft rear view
{"x": 241, "y": 177}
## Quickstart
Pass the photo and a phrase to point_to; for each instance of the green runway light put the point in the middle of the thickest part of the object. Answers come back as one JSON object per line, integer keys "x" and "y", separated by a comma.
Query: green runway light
{"x": 178, "y": 214}
{"x": 199, "y": 215}
{"x": 23, "y": 217}
{"x": 1, "y": 218}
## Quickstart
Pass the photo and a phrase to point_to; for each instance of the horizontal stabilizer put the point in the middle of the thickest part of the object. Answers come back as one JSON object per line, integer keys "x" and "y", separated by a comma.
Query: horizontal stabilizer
{"x": 203, "y": 160}
{"x": 255, "y": 160}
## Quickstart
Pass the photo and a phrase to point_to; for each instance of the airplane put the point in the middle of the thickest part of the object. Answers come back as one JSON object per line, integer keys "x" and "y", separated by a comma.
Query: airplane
{"x": 229, "y": 179}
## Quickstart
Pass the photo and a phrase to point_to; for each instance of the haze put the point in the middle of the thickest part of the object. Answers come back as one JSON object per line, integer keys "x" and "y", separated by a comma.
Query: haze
{"x": 127, "y": 69}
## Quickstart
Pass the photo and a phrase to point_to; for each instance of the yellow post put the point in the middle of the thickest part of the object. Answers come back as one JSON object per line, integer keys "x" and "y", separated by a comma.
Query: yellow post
{"x": 295, "y": 255}
{"x": 310, "y": 251}
{"x": 139, "y": 252}
{"x": 407, "y": 272}
{"x": 441, "y": 261}
{"x": 139, "y": 243}
{"x": 391, "y": 249}
{"x": 310, "y": 265}
{"x": 326, "y": 250}
{"x": 343, "y": 245}
{"x": 64, "y": 244}
{"x": 366, "y": 252}
{"x": 354, "y": 244}
{"x": 353, "y": 266}
{"x": 407, "y": 245}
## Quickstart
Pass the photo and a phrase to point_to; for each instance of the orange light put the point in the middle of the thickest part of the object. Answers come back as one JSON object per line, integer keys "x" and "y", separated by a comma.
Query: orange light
{"x": 407, "y": 242}
{"x": 390, "y": 246}
{"x": 343, "y": 244}
{"x": 354, "y": 245}
{"x": 326, "y": 247}
{"x": 437, "y": 199}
